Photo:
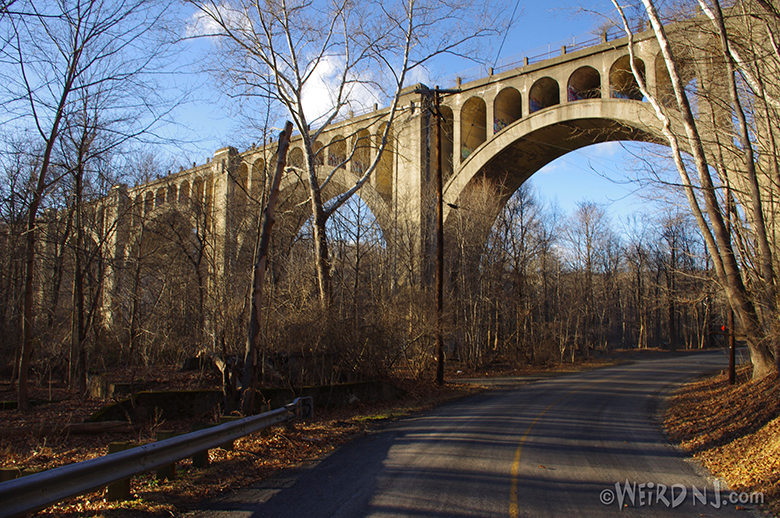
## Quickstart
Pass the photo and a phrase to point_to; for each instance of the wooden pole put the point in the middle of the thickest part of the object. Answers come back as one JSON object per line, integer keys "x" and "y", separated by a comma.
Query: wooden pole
{"x": 439, "y": 248}
{"x": 732, "y": 345}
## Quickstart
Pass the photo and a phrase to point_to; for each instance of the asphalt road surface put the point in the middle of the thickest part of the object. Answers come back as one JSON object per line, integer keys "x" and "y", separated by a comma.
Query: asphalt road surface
{"x": 587, "y": 444}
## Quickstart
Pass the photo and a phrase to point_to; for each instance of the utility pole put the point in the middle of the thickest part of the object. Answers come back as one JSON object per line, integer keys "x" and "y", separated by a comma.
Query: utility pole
{"x": 436, "y": 94}
{"x": 732, "y": 344}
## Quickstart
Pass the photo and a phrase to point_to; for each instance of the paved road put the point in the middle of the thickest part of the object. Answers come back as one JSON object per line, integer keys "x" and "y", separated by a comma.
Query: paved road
{"x": 554, "y": 448}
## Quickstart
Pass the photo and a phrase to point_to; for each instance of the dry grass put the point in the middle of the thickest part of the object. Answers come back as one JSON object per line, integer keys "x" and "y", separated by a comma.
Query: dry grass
{"x": 733, "y": 430}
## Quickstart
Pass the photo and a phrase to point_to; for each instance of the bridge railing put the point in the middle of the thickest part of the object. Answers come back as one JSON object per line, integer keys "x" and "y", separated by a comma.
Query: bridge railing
{"x": 536, "y": 55}
{"x": 34, "y": 492}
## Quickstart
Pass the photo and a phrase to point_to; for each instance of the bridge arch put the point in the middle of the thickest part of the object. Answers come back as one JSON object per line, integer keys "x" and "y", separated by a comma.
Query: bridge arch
{"x": 544, "y": 93}
{"x": 622, "y": 83}
{"x": 524, "y": 147}
{"x": 507, "y": 108}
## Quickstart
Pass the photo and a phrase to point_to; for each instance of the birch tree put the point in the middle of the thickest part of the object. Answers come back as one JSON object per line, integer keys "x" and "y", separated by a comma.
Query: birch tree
{"x": 729, "y": 156}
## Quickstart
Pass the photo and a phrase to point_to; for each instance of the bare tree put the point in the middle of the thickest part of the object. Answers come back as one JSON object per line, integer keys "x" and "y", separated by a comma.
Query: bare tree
{"x": 278, "y": 49}
{"x": 588, "y": 236}
{"x": 683, "y": 131}
{"x": 53, "y": 52}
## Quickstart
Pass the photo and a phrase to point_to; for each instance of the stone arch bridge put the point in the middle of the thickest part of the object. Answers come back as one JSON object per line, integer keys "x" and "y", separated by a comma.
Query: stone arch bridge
{"x": 502, "y": 127}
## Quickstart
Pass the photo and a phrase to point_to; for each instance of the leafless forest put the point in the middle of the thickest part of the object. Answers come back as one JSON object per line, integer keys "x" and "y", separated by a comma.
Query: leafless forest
{"x": 541, "y": 287}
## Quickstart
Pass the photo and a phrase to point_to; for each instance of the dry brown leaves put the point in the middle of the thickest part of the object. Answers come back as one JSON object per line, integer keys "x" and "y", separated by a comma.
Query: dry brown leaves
{"x": 253, "y": 458}
{"x": 733, "y": 430}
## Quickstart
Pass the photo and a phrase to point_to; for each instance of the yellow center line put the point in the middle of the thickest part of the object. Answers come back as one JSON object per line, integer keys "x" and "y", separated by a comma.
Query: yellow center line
{"x": 514, "y": 511}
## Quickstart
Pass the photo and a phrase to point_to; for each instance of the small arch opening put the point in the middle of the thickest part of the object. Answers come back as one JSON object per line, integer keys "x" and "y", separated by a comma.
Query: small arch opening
{"x": 362, "y": 155}
{"x": 296, "y": 158}
{"x": 172, "y": 194}
{"x": 663, "y": 81}
{"x": 384, "y": 171}
{"x": 337, "y": 151}
{"x": 242, "y": 182}
{"x": 447, "y": 142}
{"x": 584, "y": 83}
{"x": 473, "y": 127}
{"x": 148, "y": 202}
{"x": 160, "y": 199}
{"x": 138, "y": 205}
{"x": 544, "y": 93}
{"x": 319, "y": 153}
{"x": 622, "y": 83}
{"x": 184, "y": 192}
{"x": 197, "y": 191}
{"x": 507, "y": 108}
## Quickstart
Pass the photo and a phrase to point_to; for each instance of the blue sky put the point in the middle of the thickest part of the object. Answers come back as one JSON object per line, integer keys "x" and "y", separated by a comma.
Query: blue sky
{"x": 596, "y": 173}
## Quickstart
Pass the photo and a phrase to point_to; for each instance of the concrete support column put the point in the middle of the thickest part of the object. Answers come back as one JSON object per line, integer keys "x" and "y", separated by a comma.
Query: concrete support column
{"x": 490, "y": 103}
{"x": 650, "y": 79}
{"x": 457, "y": 145}
{"x": 117, "y": 222}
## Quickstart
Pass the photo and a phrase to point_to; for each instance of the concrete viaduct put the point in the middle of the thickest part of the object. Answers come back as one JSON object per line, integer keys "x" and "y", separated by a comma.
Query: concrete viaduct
{"x": 504, "y": 127}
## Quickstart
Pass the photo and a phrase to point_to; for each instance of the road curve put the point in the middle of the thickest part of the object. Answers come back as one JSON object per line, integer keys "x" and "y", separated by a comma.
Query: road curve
{"x": 561, "y": 447}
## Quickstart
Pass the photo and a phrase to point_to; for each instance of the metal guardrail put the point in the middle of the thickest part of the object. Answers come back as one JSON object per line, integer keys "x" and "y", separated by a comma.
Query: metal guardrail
{"x": 38, "y": 491}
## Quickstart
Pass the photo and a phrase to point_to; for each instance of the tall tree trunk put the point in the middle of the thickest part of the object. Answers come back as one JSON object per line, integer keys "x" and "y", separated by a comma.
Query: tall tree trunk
{"x": 258, "y": 275}
{"x": 712, "y": 227}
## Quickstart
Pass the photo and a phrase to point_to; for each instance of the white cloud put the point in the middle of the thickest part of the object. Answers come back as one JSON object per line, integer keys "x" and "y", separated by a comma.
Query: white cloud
{"x": 419, "y": 74}
{"x": 204, "y": 23}
{"x": 604, "y": 149}
{"x": 321, "y": 90}
{"x": 555, "y": 165}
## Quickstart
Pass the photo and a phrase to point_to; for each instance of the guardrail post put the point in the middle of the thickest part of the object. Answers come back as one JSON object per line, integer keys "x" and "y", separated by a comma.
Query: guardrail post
{"x": 167, "y": 472}
{"x": 307, "y": 409}
{"x": 228, "y": 446}
{"x": 119, "y": 490}
{"x": 9, "y": 474}
{"x": 200, "y": 459}
{"x": 289, "y": 424}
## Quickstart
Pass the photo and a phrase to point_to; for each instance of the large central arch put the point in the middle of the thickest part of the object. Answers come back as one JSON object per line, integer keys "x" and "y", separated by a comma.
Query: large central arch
{"x": 524, "y": 147}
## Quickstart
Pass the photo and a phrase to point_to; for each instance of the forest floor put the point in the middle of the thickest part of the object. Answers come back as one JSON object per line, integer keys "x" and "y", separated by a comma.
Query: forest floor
{"x": 265, "y": 453}
{"x": 253, "y": 457}
{"x": 733, "y": 430}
